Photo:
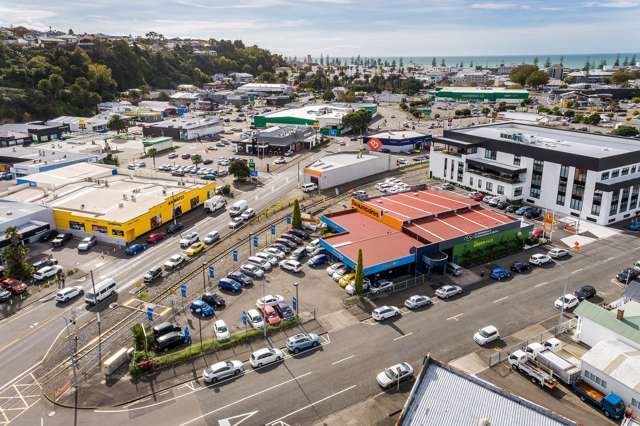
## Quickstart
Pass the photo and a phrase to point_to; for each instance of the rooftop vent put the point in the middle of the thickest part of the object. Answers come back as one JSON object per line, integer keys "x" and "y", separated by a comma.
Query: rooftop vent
{"x": 9, "y": 213}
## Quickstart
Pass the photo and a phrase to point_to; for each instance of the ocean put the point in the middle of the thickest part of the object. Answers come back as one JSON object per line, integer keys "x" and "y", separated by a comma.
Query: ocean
{"x": 570, "y": 61}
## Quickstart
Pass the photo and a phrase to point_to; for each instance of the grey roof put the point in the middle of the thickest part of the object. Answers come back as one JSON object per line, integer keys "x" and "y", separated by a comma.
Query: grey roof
{"x": 589, "y": 144}
{"x": 445, "y": 396}
{"x": 617, "y": 360}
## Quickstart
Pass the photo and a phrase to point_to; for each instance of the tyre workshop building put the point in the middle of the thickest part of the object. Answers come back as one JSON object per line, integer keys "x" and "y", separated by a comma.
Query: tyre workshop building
{"x": 418, "y": 231}
{"x": 399, "y": 141}
{"x": 276, "y": 140}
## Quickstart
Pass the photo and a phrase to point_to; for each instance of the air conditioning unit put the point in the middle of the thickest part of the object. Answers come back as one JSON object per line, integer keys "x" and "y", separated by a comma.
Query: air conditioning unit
{"x": 121, "y": 205}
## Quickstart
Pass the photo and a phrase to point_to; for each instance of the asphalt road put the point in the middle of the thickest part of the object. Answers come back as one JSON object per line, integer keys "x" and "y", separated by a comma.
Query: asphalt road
{"x": 307, "y": 389}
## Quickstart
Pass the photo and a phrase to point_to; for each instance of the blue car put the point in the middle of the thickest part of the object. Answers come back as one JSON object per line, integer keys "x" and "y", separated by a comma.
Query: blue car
{"x": 200, "y": 307}
{"x": 522, "y": 210}
{"x": 634, "y": 226}
{"x": 227, "y": 284}
{"x": 499, "y": 274}
{"x": 318, "y": 260}
{"x": 134, "y": 249}
{"x": 302, "y": 341}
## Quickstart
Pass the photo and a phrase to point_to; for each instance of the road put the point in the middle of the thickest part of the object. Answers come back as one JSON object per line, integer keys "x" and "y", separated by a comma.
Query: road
{"x": 306, "y": 389}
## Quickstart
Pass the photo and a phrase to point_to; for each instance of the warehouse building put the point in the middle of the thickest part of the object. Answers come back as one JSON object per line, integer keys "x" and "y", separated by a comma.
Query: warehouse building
{"x": 159, "y": 144}
{"x": 344, "y": 167}
{"x": 31, "y": 220}
{"x": 96, "y": 123}
{"x": 589, "y": 176}
{"x": 489, "y": 94}
{"x": 398, "y": 141}
{"x": 90, "y": 199}
{"x": 24, "y": 161}
{"x": 184, "y": 129}
{"x": 34, "y": 132}
{"x": 276, "y": 140}
{"x": 419, "y": 231}
{"x": 265, "y": 89}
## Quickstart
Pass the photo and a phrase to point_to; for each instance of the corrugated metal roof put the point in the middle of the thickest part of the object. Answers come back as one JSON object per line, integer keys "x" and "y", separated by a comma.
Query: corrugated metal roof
{"x": 628, "y": 327}
{"x": 616, "y": 359}
{"x": 444, "y": 396}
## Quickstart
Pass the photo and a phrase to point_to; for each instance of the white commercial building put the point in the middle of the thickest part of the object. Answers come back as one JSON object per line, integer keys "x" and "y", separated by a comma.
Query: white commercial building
{"x": 76, "y": 124}
{"x": 596, "y": 324}
{"x": 589, "y": 176}
{"x": 265, "y": 89}
{"x": 184, "y": 129}
{"x": 337, "y": 169}
{"x": 31, "y": 220}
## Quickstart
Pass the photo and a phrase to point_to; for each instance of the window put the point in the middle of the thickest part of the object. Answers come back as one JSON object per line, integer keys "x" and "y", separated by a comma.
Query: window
{"x": 634, "y": 402}
{"x": 596, "y": 203}
{"x": 536, "y": 178}
{"x": 577, "y": 191}
{"x": 76, "y": 225}
{"x": 516, "y": 160}
{"x": 562, "y": 185}
{"x": 453, "y": 164}
{"x": 99, "y": 228}
{"x": 470, "y": 180}
{"x": 517, "y": 191}
{"x": 460, "y": 171}
{"x": 480, "y": 183}
{"x": 444, "y": 174}
{"x": 624, "y": 201}
{"x": 624, "y": 171}
{"x": 500, "y": 189}
{"x": 117, "y": 232}
{"x": 615, "y": 174}
{"x": 490, "y": 154}
{"x": 634, "y": 197}
{"x": 489, "y": 186}
{"x": 614, "y": 203}
{"x": 633, "y": 169}
{"x": 604, "y": 176}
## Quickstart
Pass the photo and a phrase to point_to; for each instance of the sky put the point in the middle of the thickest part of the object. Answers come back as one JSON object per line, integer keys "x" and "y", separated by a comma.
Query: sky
{"x": 352, "y": 27}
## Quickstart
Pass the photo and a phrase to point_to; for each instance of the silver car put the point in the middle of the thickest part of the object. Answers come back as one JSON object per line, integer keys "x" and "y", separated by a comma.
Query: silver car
{"x": 222, "y": 370}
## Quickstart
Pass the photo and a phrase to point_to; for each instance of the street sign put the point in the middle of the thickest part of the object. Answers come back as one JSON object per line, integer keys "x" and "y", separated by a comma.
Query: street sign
{"x": 333, "y": 132}
{"x": 253, "y": 173}
{"x": 255, "y": 241}
{"x": 288, "y": 219}
{"x": 252, "y": 164}
{"x": 183, "y": 291}
{"x": 234, "y": 255}
{"x": 294, "y": 303}
{"x": 273, "y": 229}
{"x": 212, "y": 272}
{"x": 187, "y": 336}
{"x": 245, "y": 318}
{"x": 150, "y": 313}
{"x": 374, "y": 144}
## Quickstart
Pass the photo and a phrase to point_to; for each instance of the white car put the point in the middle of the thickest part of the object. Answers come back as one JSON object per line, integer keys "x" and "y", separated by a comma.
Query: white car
{"x": 268, "y": 257}
{"x": 248, "y": 214}
{"x": 418, "y": 301}
{"x": 381, "y": 286}
{"x": 384, "y": 312}
{"x": 486, "y": 335}
{"x": 47, "y": 272}
{"x": 236, "y": 222}
{"x": 173, "y": 262}
{"x": 447, "y": 291}
{"x": 87, "y": 243}
{"x": 222, "y": 370}
{"x": 291, "y": 265}
{"x": 260, "y": 262}
{"x": 568, "y": 301}
{"x": 252, "y": 270}
{"x": 395, "y": 374}
{"x": 557, "y": 253}
{"x": 339, "y": 272}
{"x": 255, "y": 319}
{"x": 313, "y": 244}
{"x": 280, "y": 160}
{"x": 351, "y": 287}
{"x": 68, "y": 293}
{"x": 188, "y": 239}
{"x": 270, "y": 300}
{"x": 221, "y": 330}
{"x": 265, "y": 356}
{"x": 212, "y": 237}
{"x": 391, "y": 181}
{"x": 539, "y": 259}
{"x": 275, "y": 252}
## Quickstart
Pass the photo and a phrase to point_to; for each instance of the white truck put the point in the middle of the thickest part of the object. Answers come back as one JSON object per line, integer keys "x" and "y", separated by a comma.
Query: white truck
{"x": 238, "y": 208}
{"x": 520, "y": 361}
{"x": 215, "y": 203}
{"x": 564, "y": 370}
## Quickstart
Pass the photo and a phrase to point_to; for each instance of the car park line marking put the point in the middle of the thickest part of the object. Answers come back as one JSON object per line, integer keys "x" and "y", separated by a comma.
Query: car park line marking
{"x": 455, "y": 317}
{"x": 403, "y": 336}
{"x": 577, "y": 270}
{"x": 342, "y": 360}
{"x": 502, "y": 299}
{"x": 311, "y": 405}
{"x": 231, "y": 404}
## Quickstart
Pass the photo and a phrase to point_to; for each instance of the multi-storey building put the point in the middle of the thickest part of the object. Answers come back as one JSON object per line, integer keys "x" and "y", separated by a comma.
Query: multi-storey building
{"x": 592, "y": 176}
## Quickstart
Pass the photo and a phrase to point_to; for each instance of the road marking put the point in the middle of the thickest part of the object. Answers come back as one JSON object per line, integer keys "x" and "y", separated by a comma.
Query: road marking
{"x": 242, "y": 417}
{"x": 577, "y": 270}
{"x": 541, "y": 284}
{"x": 312, "y": 404}
{"x": 403, "y": 336}
{"x": 342, "y": 360}
{"x": 609, "y": 259}
{"x": 99, "y": 264}
{"x": 501, "y": 299}
{"x": 235, "y": 402}
{"x": 455, "y": 317}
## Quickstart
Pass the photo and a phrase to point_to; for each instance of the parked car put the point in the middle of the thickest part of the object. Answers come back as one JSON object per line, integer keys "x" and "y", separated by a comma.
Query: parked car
{"x": 68, "y": 293}
{"x": 227, "y": 284}
{"x": 255, "y": 318}
{"x": 47, "y": 272}
{"x": 395, "y": 374}
{"x": 222, "y": 370}
{"x": 61, "y": 239}
{"x": 188, "y": 239}
{"x": 265, "y": 356}
{"x": 13, "y": 286}
{"x": 557, "y": 253}
{"x": 5, "y": 295}
{"x": 499, "y": 274}
{"x": 152, "y": 274}
{"x": 520, "y": 267}
{"x": 291, "y": 265}
{"x": 174, "y": 228}
{"x": 87, "y": 243}
{"x": 381, "y": 286}
{"x": 47, "y": 261}
{"x": 248, "y": 214}
{"x": 269, "y": 299}
{"x": 299, "y": 233}
{"x": 585, "y": 292}
{"x": 539, "y": 259}
{"x": 569, "y": 301}
{"x": 331, "y": 269}
{"x": 269, "y": 258}
{"x": 418, "y": 301}
{"x": 263, "y": 264}
{"x": 634, "y": 226}
{"x": 344, "y": 269}
{"x": 448, "y": 187}
{"x": 252, "y": 270}
{"x": 312, "y": 245}
{"x": 220, "y": 330}
{"x": 243, "y": 279}
{"x": 627, "y": 275}
{"x": 384, "y": 312}
{"x": 350, "y": 289}
{"x": 235, "y": 222}
{"x": 285, "y": 311}
{"x": 346, "y": 279}
{"x": 174, "y": 262}
{"x": 283, "y": 248}
{"x": 291, "y": 237}
{"x": 271, "y": 315}
{"x": 447, "y": 291}
{"x": 156, "y": 237}
{"x": 486, "y": 335}
{"x": 318, "y": 260}
{"x": 48, "y": 235}
{"x": 164, "y": 328}
{"x": 169, "y": 341}
{"x": 214, "y": 300}
{"x": 211, "y": 237}
{"x": 302, "y": 341}
{"x": 298, "y": 254}
{"x": 533, "y": 213}
{"x": 134, "y": 249}
{"x": 279, "y": 254}
{"x": 200, "y": 307}
{"x": 194, "y": 249}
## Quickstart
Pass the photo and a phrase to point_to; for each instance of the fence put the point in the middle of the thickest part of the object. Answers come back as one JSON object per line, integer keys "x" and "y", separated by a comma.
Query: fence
{"x": 498, "y": 357}
{"x": 399, "y": 286}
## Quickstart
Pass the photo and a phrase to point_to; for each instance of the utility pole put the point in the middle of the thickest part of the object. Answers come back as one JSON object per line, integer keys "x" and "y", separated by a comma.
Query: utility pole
{"x": 297, "y": 299}
{"x": 93, "y": 285}
{"x": 71, "y": 352}
{"x": 265, "y": 319}
{"x": 98, "y": 319}
{"x": 204, "y": 280}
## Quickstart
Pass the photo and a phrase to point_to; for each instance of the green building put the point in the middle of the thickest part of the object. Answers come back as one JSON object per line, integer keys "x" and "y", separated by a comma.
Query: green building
{"x": 480, "y": 94}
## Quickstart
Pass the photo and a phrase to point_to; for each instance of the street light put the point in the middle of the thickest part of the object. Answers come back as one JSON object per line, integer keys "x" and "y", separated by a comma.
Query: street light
{"x": 204, "y": 280}
{"x": 72, "y": 349}
{"x": 297, "y": 299}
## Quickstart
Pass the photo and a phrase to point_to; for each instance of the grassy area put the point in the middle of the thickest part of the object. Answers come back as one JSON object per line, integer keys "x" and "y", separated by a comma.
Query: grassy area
{"x": 353, "y": 300}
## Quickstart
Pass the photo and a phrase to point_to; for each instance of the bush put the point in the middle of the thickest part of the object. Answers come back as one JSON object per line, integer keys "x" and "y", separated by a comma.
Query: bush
{"x": 226, "y": 190}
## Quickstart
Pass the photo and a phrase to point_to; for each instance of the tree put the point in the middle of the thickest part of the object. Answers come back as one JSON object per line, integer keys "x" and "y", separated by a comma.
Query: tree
{"x": 617, "y": 62}
{"x": 196, "y": 159}
{"x": 347, "y": 97}
{"x": 328, "y": 95}
{"x": 359, "y": 278}
{"x": 410, "y": 86}
{"x": 628, "y": 131}
{"x": 547, "y": 62}
{"x": 521, "y": 73}
{"x": 537, "y": 78}
{"x": 433, "y": 62}
{"x": 152, "y": 153}
{"x": 266, "y": 77}
{"x": 15, "y": 256}
{"x": 116, "y": 123}
{"x": 592, "y": 119}
{"x": 296, "y": 218}
{"x": 239, "y": 169}
{"x": 358, "y": 121}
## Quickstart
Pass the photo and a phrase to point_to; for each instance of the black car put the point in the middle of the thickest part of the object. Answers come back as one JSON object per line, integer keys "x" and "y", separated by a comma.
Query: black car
{"x": 287, "y": 242}
{"x": 61, "y": 239}
{"x": 298, "y": 253}
{"x": 164, "y": 328}
{"x": 585, "y": 292}
{"x": 627, "y": 275}
{"x": 213, "y": 299}
{"x": 300, "y": 234}
{"x": 243, "y": 279}
{"x": 48, "y": 235}
{"x": 533, "y": 213}
{"x": 282, "y": 247}
{"x": 502, "y": 205}
{"x": 207, "y": 161}
{"x": 169, "y": 341}
{"x": 520, "y": 267}
{"x": 5, "y": 295}
{"x": 511, "y": 209}
{"x": 289, "y": 236}
{"x": 174, "y": 228}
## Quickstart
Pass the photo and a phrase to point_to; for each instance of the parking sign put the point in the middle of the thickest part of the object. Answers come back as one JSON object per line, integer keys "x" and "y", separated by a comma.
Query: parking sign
{"x": 183, "y": 291}
{"x": 150, "y": 313}
{"x": 288, "y": 219}
{"x": 255, "y": 241}
{"x": 273, "y": 229}
{"x": 234, "y": 255}
{"x": 212, "y": 271}
{"x": 294, "y": 303}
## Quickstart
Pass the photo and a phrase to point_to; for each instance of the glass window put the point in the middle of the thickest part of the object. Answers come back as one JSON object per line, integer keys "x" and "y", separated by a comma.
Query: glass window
{"x": 536, "y": 178}
{"x": 624, "y": 171}
{"x": 500, "y": 189}
{"x": 577, "y": 190}
{"x": 633, "y": 169}
{"x": 604, "y": 176}
{"x": 624, "y": 201}
{"x": 117, "y": 232}
{"x": 490, "y": 154}
{"x": 615, "y": 174}
{"x": 596, "y": 203}
{"x": 516, "y": 160}
{"x": 480, "y": 183}
{"x": 76, "y": 225}
{"x": 470, "y": 180}
{"x": 615, "y": 197}
{"x": 489, "y": 186}
{"x": 517, "y": 191}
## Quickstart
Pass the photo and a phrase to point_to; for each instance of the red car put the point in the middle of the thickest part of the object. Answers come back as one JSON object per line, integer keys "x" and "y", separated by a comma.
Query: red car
{"x": 14, "y": 286}
{"x": 270, "y": 315}
{"x": 478, "y": 196}
{"x": 156, "y": 237}
{"x": 537, "y": 233}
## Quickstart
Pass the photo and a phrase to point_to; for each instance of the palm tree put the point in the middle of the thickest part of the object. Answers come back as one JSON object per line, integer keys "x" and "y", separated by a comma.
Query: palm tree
{"x": 196, "y": 159}
{"x": 152, "y": 152}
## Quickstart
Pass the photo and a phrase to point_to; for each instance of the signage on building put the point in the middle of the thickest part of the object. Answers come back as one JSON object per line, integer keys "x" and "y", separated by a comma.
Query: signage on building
{"x": 366, "y": 208}
{"x": 374, "y": 144}
{"x": 481, "y": 234}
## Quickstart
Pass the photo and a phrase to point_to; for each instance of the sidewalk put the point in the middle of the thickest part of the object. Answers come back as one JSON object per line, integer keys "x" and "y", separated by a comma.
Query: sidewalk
{"x": 122, "y": 389}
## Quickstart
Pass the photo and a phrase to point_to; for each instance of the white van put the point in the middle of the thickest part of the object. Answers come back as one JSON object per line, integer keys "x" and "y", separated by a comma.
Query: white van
{"x": 238, "y": 208}
{"x": 308, "y": 187}
{"x": 103, "y": 290}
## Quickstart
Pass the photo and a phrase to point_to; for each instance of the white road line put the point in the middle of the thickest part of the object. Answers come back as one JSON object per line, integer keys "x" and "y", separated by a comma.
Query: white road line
{"x": 342, "y": 360}
{"x": 403, "y": 336}
{"x": 577, "y": 270}
{"x": 243, "y": 399}
{"x": 541, "y": 284}
{"x": 501, "y": 299}
{"x": 312, "y": 404}
{"x": 455, "y": 317}
{"x": 609, "y": 259}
